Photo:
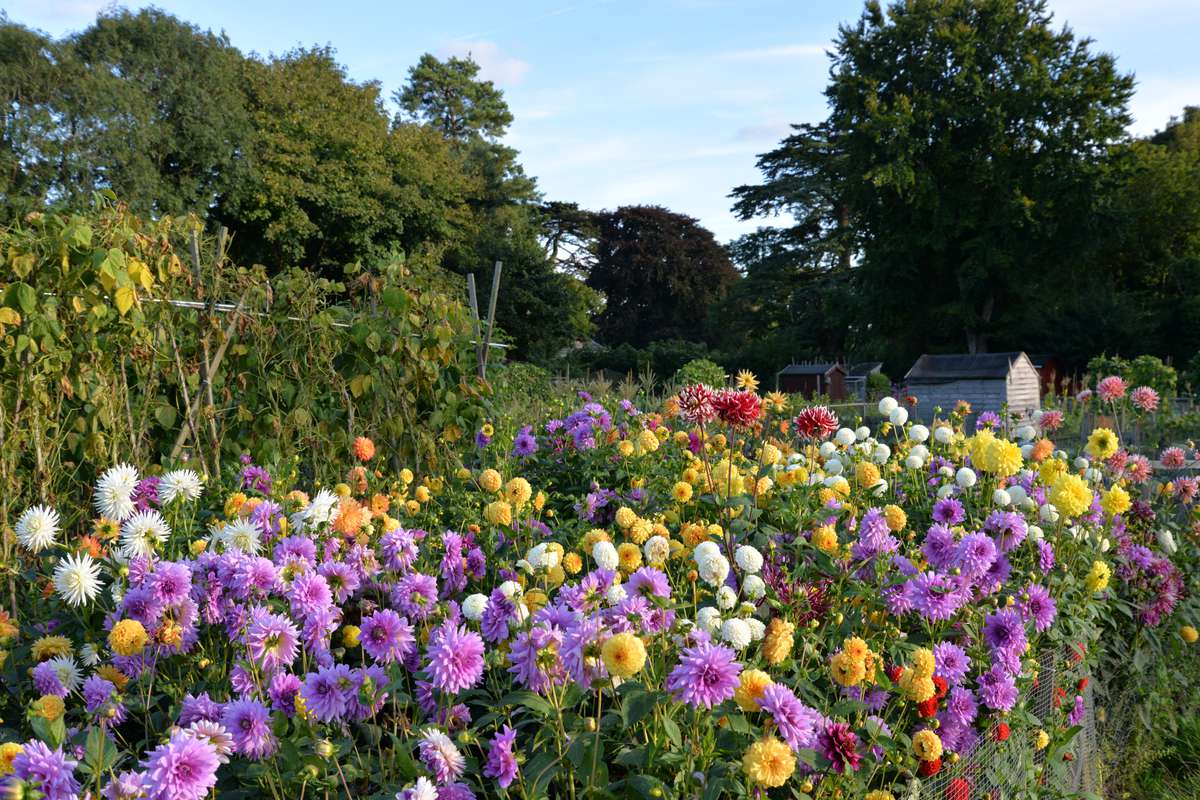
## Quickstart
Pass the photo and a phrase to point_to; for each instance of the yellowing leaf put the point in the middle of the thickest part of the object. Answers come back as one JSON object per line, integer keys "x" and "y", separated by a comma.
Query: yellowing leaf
{"x": 125, "y": 299}
{"x": 9, "y": 316}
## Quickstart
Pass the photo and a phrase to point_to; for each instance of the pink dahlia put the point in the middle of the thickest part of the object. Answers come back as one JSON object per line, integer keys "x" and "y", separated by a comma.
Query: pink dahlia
{"x": 1173, "y": 457}
{"x": 696, "y": 404}
{"x": 815, "y": 422}
{"x": 739, "y": 409}
{"x": 707, "y": 675}
{"x": 1111, "y": 389}
{"x": 1051, "y": 420}
{"x": 1138, "y": 469}
{"x": 1145, "y": 398}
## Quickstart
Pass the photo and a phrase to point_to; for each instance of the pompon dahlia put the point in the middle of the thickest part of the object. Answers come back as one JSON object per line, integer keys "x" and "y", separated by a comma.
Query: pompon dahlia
{"x": 815, "y": 422}
{"x": 455, "y": 658}
{"x": 696, "y": 404}
{"x": 739, "y": 409}
{"x": 707, "y": 675}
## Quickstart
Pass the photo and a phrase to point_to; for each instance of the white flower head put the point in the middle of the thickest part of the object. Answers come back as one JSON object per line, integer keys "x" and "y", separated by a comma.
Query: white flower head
{"x": 182, "y": 484}
{"x": 862, "y": 433}
{"x": 918, "y": 433}
{"x": 1001, "y": 498}
{"x": 827, "y": 449}
{"x": 736, "y": 633}
{"x": 834, "y": 466}
{"x": 37, "y": 528}
{"x": 899, "y": 416}
{"x": 321, "y": 509}
{"x": 657, "y": 549}
{"x": 914, "y": 461}
{"x": 1166, "y": 540}
{"x": 945, "y": 490}
{"x": 89, "y": 655}
{"x": 754, "y": 587}
{"x": 714, "y": 570}
{"x": 709, "y": 618}
{"x": 757, "y": 629}
{"x": 510, "y": 589}
{"x": 77, "y": 579}
{"x": 845, "y": 437}
{"x": 474, "y": 606}
{"x": 1048, "y": 513}
{"x": 887, "y": 405}
{"x": 881, "y": 453}
{"x": 114, "y": 492}
{"x": 1017, "y": 494}
{"x": 67, "y": 672}
{"x": 241, "y": 535}
{"x": 142, "y": 533}
{"x": 605, "y": 555}
{"x": 615, "y": 594}
{"x": 704, "y": 551}
{"x": 943, "y": 435}
{"x": 965, "y": 477}
{"x": 748, "y": 559}
{"x": 920, "y": 450}
{"x": 1035, "y": 533}
{"x": 214, "y": 734}
{"x": 726, "y": 598}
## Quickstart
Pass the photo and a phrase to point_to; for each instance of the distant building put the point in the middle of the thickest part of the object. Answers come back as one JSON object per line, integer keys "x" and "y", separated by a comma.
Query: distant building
{"x": 988, "y": 381}
{"x": 813, "y": 379}
{"x": 1055, "y": 379}
{"x": 857, "y": 376}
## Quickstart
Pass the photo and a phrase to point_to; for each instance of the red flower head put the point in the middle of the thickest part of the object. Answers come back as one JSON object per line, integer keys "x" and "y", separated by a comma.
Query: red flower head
{"x": 941, "y": 686}
{"x": 815, "y": 422}
{"x": 696, "y": 404}
{"x": 739, "y": 409}
{"x": 958, "y": 789}
{"x": 1083, "y": 684}
{"x": 930, "y": 768}
{"x": 928, "y": 708}
{"x": 894, "y": 672}
{"x": 1002, "y": 732}
{"x": 1068, "y": 756}
{"x": 911, "y": 400}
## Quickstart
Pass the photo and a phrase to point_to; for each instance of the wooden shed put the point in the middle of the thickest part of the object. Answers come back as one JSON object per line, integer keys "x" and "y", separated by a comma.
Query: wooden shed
{"x": 857, "y": 375}
{"x": 811, "y": 380}
{"x": 988, "y": 381}
{"x": 1055, "y": 379}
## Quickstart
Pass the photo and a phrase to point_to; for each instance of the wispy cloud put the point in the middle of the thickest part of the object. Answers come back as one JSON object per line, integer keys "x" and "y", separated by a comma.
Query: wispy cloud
{"x": 494, "y": 63}
{"x": 784, "y": 51}
{"x": 773, "y": 131}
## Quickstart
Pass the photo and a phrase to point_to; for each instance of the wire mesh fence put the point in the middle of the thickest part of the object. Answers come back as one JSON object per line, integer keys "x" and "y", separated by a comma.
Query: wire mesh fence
{"x": 999, "y": 766}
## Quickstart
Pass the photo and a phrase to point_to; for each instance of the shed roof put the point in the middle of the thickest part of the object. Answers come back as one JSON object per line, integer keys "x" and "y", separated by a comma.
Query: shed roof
{"x": 865, "y": 367}
{"x": 810, "y": 369}
{"x": 963, "y": 365}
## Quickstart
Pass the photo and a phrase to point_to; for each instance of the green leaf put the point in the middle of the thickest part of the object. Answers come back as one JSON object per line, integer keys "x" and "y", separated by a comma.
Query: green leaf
{"x": 673, "y": 732}
{"x": 534, "y": 702}
{"x": 636, "y": 705}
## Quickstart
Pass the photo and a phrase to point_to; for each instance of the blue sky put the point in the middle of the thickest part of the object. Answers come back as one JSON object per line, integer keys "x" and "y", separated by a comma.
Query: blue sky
{"x": 644, "y": 101}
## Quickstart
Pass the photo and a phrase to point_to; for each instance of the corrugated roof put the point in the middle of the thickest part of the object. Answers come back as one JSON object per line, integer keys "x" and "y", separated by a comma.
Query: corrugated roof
{"x": 809, "y": 369}
{"x": 962, "y": 365}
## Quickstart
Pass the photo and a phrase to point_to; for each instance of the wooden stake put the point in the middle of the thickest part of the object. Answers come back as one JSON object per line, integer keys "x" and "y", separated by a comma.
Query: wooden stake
{"x": 491, "y": 322}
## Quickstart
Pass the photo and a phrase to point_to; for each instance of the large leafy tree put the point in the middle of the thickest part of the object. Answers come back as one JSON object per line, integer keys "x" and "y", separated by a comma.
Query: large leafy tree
{"x": 964, "y": 154}
{"x": 333, "y": 182}
{"x": 541, "y": 307}
{"x": 659, "y": 272}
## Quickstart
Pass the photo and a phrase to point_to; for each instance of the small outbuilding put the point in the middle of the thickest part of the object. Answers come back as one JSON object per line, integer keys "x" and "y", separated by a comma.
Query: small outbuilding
{"x": 988, "y": 381}
{"x": 857, "y": 376}
{"x": 811, "y": 380}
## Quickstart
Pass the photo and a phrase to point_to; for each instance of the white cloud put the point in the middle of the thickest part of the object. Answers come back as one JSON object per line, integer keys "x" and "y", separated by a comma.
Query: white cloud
{"x": 787, "y": 51}
{"x": 494, "y": 64}
{"x": 773, "y": 131}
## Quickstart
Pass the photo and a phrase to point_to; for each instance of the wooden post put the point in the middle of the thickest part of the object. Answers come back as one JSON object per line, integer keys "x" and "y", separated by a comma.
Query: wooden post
{"x": 475, "y": 324}
{"x": 491, "y": 322}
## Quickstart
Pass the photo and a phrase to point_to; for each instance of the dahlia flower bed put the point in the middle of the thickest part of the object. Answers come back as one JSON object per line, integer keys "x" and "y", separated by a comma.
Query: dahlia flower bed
{"x": 725, "y": 597}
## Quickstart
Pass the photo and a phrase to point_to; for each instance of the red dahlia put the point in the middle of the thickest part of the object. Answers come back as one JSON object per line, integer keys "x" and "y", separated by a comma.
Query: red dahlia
{"x": 696, "y": 404}
{"x": 816, "y": 422}
{"x": 739, "y": 409}
{"x": 1002, "y": 732}
{"x": 930, "y": 768}
{"x": 959, "y": 789}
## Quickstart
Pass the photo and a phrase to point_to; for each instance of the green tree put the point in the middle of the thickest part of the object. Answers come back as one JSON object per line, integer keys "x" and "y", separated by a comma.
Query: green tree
{"x": 540, "y": 307}
{"x": 333, "y": 182}
{"x": 964, "y": 155}
{"x": 659, "y": 272}
{"x": 164, "y": 108}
